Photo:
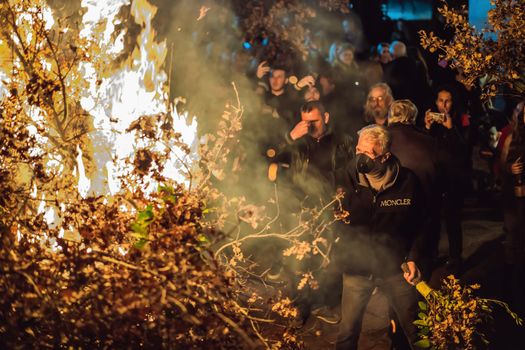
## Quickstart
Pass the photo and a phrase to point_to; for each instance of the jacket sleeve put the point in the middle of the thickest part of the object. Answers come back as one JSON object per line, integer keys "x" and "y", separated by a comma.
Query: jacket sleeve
{"x": 342, "y": 156}
{"x": 420, "y": 224}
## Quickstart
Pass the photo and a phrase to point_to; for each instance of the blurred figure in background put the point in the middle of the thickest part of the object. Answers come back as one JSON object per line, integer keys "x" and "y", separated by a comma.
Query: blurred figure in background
{"x": 353, "y": 32}
{"x": 345, "y": 70}
{"x": 405, "y": 77}
{"x": 398, "y": 49}
{"x": 279, "y": 100}
{"x": 516, "y": 211}
{"x": 383, "y": 55}
{"x": 401, "y": 32}
{"x": 311, "y": 93}
{"x": 345, "y": 110}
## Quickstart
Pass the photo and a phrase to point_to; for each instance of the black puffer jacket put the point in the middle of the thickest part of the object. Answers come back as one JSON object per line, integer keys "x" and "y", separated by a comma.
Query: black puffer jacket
{"x": 385, "y": 228}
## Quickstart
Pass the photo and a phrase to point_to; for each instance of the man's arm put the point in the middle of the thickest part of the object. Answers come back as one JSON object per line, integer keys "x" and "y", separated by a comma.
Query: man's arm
{"x": 420, "y": 225}
{"x": 345, "y": 152}
{"x": 299, "y": 130}
{"x": 291, "y": 142}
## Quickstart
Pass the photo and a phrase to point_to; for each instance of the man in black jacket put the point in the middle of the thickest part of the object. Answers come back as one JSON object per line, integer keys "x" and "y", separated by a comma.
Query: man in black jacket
{"x": 316, "y": 154}
{"x": 386, "y": 208}
{"x": 420, "y": 153}
{"x": 280, "y": 100}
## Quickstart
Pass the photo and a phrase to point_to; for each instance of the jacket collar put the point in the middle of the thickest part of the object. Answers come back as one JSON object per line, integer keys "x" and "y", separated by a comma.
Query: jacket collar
{"x": 360, "y": 179}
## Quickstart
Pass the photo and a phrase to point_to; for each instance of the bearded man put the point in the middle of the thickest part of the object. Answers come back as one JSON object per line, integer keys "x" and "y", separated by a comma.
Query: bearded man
{"x": 377, "y": 104}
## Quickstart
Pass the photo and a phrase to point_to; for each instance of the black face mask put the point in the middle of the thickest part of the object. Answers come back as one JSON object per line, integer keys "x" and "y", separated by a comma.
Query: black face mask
{"x": 366, "y": 165}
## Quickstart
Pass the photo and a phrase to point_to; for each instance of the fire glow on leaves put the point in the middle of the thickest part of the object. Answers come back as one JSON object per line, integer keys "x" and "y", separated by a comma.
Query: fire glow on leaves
{"x": 80, "y": 268}
{"x": 495, "y": 55}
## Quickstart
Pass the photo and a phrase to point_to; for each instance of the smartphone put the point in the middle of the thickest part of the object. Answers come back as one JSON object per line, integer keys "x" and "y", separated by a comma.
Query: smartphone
{"x": 437, "y": 117}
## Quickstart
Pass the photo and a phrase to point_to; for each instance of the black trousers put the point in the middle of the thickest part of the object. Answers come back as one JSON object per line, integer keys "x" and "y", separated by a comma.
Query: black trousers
{"x": 453, "y": 205}
{"x": 357, "y": 291}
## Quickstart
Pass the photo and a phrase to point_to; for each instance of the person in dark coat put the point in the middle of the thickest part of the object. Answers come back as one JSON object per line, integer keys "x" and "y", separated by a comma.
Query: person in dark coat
{"x": 449, "y": 129}
{"x": 345, "y": 112}
{"x": 316, "y": 155}
{"x": 384, "y": 229}
{"x": 419, "y": 152}
{"x": 405, "y": 77}
{"x": 348, "y": 77}
{"x": 316, "y": 152}
{"x": 516, "y": 234}
{"x": 279, "y": 99}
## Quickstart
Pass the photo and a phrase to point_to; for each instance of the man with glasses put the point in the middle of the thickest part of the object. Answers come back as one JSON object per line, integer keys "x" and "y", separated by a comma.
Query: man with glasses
{"x": 377, "y": 104}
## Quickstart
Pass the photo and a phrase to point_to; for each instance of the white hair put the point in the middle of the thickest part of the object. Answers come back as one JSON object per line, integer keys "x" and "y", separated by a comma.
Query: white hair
{"x": 398, "y": 49}
{"x": 384, "y": 86}
{"x": 378, "y": 133}
{"x": 402, "y": 111}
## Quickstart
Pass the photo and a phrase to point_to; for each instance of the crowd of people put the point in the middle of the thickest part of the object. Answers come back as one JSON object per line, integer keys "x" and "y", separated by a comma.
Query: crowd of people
{"x": 400, "y": 147}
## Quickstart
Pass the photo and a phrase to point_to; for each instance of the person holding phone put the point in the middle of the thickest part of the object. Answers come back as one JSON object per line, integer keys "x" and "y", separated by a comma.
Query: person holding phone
{"x": 450, "y": 127}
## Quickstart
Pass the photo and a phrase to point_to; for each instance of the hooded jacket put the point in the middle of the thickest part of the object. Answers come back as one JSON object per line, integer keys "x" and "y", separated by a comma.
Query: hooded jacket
{"x": 385, "y": 227}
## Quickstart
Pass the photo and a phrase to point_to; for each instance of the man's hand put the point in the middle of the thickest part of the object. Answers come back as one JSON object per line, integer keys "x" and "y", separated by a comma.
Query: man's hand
{"x": 262, "y": 69}
{"x": 428, "y": 120}
{"x": 517, "y": 167}
{"x": 306, "y": 81}
{"x": 299, "y": 130}
{"x": 413, "y": 275}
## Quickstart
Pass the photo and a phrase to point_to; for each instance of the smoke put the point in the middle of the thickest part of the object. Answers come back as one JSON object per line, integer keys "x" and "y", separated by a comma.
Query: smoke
{"x": 206, "y": 54}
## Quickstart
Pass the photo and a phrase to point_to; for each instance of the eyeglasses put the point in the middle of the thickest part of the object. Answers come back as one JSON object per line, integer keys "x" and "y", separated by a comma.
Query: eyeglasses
{"x": 376, "y": 99}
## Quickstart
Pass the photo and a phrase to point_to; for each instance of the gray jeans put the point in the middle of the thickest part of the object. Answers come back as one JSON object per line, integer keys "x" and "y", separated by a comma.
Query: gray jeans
{"x": 357, "y": 291}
